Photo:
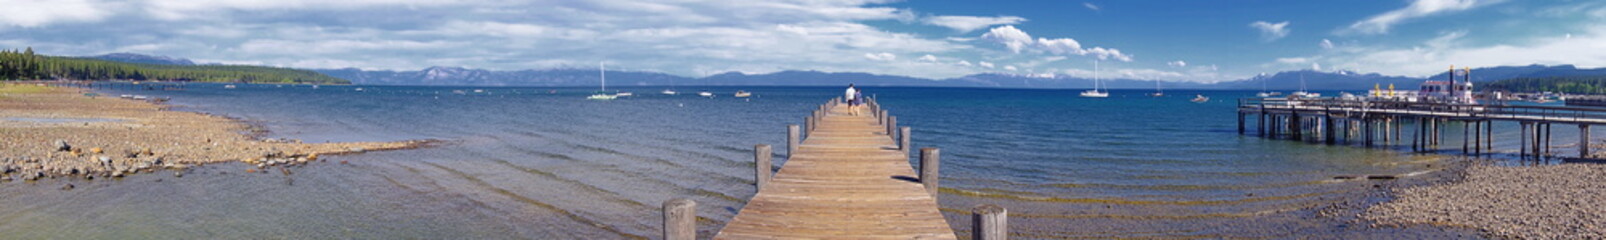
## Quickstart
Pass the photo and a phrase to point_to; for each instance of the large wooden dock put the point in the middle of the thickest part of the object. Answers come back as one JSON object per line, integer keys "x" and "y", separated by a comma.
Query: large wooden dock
{"x": 848, "y": 179}
{"x": 1378, "y": 122}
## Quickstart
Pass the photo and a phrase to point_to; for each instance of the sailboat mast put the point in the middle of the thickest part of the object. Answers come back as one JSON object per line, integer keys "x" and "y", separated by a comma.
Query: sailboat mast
{"x": 602, "y": 70}
{"x": 1095, "y": 75}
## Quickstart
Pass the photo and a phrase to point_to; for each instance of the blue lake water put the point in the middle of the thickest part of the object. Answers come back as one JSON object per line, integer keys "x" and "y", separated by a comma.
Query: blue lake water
{"x": 532, "y": 162}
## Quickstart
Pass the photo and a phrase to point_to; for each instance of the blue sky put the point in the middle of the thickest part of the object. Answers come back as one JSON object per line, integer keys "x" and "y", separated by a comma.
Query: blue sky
{"x": 1203, "y": 41}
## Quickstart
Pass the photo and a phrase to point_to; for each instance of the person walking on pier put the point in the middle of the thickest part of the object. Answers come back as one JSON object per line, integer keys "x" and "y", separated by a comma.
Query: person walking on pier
{"x": 852, "y": 98}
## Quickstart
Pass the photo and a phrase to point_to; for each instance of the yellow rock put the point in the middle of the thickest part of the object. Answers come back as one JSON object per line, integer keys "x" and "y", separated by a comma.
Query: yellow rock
{"x": 96, "y": 150}
{"x": 312, "y": 157}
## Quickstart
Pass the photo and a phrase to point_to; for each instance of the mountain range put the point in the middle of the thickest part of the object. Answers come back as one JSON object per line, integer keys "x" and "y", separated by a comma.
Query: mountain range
{"x": 1288, "y": 80}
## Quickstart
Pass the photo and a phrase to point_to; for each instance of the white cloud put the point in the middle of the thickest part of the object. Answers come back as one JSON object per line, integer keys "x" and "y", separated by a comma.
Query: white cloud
{"x": 1292, "y": 60}
{"x": 1177, "y": 63}
{"x": 1011, "y": 68}
{"x": 928, "y": 58}
{"x": 985, "y": 64}
{"x": 35, "y": 13}
{"x": 1017, "y": 41}
{"x": 1090, "y": 6}
{"x": 1381, "y": 23}
{"x": 963, "y": 63}
{"x": 880, "y": 56}
{"x": 1271, "y": 31}
{"x": 1316, "y": 66}
{"x": 965, "y": 24}
{"x": 1326, "y": 44}
{"x": 1450, "y": 48}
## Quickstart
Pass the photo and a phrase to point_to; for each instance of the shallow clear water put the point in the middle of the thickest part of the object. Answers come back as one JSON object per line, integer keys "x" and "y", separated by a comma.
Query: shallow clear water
{"x": 528, "y": 162}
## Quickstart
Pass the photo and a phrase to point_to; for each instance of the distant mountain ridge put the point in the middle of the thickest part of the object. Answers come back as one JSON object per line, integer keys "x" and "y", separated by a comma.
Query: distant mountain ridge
{"x": 143, "y": 59}
{"x": 1287, "y": 80}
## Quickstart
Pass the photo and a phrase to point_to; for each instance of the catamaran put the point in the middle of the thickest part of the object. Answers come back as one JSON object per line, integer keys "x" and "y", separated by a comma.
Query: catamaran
{"x": 1095, "y": 93}
{"x": 602, "y": 69}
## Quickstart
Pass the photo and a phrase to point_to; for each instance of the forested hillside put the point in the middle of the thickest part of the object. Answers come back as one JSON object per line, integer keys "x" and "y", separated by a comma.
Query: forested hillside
{"x": 1571, "y": 84}
{"x": 25, "y": 65}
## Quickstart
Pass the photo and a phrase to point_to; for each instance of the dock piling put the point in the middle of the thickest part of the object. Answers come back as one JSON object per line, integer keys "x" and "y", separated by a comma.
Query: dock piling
{"x": 989, "y": 222}
{"x": 761, "y": 165}
{"x": 903, "y": 140}
{"x": 929, "y": 164}
{"x": 892, "y": 127}
{"x": 793, "y": 137}
{"x": 1583, "y": 140}
{"x": 680, "y": 219}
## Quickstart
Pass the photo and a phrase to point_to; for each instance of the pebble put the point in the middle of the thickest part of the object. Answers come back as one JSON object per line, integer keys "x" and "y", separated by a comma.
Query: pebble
{"x": 61, "y": 145}
{"x": 69, "y": 186}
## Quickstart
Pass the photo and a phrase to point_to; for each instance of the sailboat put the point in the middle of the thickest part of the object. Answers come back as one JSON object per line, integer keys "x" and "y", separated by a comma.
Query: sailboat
{"x": 1200, "y": 98}
{"x": 1263, "y": 92}
{"x": 1302, "y": 93}
{"x": 603, "y": 95}
{"x": 671, "y": 90}
{"x": 1095, "y": 93}
{"x": 1157, "y": 92}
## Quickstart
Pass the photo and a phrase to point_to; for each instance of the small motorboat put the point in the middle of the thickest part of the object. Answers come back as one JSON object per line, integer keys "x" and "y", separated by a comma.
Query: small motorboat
{"x": 479, "y": 90}
{"x": 743, "y": 94}
{"x": 230, "y": 86}
{"x": 1199, "y": 98}
{"x": 669, "y": 92}
{"x": 358, "y": 89}
{"x": 705, "y": 94}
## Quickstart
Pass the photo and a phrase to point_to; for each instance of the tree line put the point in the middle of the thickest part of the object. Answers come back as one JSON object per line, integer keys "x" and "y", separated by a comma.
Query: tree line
{"x": 25, "y": 65}
{"x": 1569, "y": 84}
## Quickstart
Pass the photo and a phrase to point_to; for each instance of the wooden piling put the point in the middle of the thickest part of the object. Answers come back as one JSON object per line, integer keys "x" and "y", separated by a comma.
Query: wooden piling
{"x": 1583, "y": 140}
{"x": 1523, "y": 144}
{"x": 903, "y": 140}
{"x": 929, "y": 164}
{"x": 680, "y": 219}
{"x": 1477, "y": 138}
{"x": 989, "y": 222}
{"x": 1465, "y": 143}
{"x": 1240, "y": 123}
{"x": 793, "y": 137}
{"x": 761, "y": 165}
{"x": 1547, "y": 139}
{"x": 808, "y": 123}
{"x": 892, "y": 127}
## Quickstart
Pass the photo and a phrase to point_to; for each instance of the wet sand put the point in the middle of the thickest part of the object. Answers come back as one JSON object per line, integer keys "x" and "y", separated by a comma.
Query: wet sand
{"x": 1543, "y": 202}
{"x": 54, "y": 132}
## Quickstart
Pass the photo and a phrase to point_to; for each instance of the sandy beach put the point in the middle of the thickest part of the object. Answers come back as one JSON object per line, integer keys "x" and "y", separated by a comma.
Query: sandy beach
{"x": 64, "y": 132}
{"x": 1530, "y": 202}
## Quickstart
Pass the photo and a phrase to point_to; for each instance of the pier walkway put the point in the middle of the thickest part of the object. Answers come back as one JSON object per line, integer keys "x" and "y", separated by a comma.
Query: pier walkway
{"x": 848, "y": 179}
{"x": 1370, "y": 121}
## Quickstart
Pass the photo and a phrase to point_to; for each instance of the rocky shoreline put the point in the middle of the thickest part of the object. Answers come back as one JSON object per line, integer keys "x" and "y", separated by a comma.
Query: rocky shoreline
{"x": 1543, "y": 201}
{"x": 64, "y": 132}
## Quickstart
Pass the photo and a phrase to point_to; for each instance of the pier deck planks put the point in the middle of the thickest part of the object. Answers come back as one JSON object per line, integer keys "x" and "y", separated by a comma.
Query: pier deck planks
{"x": 848, "y": 180}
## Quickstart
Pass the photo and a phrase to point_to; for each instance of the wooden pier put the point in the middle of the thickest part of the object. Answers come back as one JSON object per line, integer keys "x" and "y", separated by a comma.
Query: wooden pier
{"x": 848, "y": 179}
{"x": 1373, "y": 123}
{"x": 847, "y": 176}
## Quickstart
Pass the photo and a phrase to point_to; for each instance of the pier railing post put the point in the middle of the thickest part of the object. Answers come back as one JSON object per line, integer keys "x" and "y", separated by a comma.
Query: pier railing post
{"x": 761, "y": 165}
{"x": 989, "y": 222}
{"x": 793, "y": 135}
{"x": 929, "y": 164}
{"x": 903, "y": 140}
{"x": 680, "y": 219}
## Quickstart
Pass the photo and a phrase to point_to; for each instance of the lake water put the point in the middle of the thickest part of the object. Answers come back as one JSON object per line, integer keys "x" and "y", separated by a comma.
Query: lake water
{"x": 545, "y": 163}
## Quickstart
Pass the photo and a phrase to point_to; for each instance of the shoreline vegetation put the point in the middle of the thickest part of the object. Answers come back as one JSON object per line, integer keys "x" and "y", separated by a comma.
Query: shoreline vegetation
{"x": 53, "y": 132}
{"x": 1525, "y": 202}
{"x": 25, "y": 65}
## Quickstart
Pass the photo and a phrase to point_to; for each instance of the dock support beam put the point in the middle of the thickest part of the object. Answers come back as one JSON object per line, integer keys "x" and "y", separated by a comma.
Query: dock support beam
{"x": 1523, "y": 144}
{"x": 680, "y": 219}
{"x": 989, "y": 222}
{"x": 761, "y": 165}
{"x": 892, "y": 127}
{"x": 1547, "y": 140}
{"x": 1465, "y": 143}
{"x": 1583, "y": 140}
{"x": 1240, "y": 123}
{"x": 929, "y": 164}
{"x": 1477, "y": 138}
{"x": 1327, "y": 127}
{"x": 793, "y": 137}
{"x": 808, "y": 126}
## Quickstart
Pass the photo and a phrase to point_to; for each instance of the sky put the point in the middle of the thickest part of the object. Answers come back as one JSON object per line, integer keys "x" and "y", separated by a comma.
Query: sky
{"x": 1197, "y": 41}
